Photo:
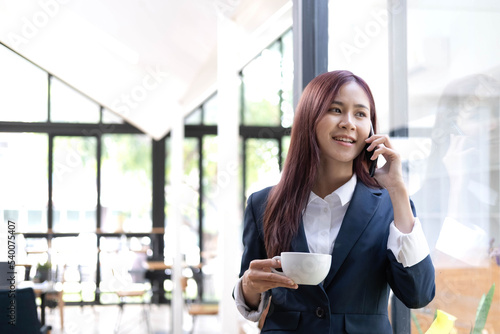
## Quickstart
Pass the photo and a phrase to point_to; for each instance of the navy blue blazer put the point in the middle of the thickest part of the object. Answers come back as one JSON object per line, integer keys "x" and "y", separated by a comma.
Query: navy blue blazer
{"x": 354, "y": 296}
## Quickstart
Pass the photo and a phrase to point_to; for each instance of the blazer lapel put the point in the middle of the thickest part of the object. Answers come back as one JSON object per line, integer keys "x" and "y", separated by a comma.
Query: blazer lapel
{"x": 363, "y": 204}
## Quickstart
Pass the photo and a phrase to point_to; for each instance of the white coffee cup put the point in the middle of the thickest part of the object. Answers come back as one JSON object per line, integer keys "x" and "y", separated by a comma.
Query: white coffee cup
{"x": 304, "y": 268}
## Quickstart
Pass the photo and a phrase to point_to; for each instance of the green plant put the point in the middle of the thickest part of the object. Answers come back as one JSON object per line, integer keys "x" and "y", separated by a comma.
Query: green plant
{"x": 44, "y": 266}
{"x": 482, "y": 311}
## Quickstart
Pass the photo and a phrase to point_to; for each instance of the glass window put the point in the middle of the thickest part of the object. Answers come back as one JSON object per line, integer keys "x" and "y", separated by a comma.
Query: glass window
{"x": 285, "y": 145}
{"x": 74, "y": 269}
{"x": 358, "y": 42}
{"x": 287, "y": 80}
{"x": 111, "y": 117}
{"x": 23, "y": 89}
{"x": 454, "y": 109}
{"x": 189, "y": 204}
{"x": 194, "y": 118}
{"x": 261, "y": 164}
{"x": 123, "y": 262}
{"x": 210, "y": 217}
{"x": 23, "y": 178}
{"x": 68, "y": 105}
{"x": 262, "y": 85}
{"x": 210, "y": 111}
{"x": 126, "y": 185}
{"x": 74, "y": 184}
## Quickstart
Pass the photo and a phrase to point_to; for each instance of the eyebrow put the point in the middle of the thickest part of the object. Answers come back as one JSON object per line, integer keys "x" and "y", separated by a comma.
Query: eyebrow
{"x": 359, "y": 105}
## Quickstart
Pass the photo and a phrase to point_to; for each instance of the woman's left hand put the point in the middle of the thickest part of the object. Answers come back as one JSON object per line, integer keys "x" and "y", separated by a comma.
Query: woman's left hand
{"x": 390, "y": 176}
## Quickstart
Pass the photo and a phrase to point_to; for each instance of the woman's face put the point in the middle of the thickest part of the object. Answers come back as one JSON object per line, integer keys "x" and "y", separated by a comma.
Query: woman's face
{"x": 342, "y": 131}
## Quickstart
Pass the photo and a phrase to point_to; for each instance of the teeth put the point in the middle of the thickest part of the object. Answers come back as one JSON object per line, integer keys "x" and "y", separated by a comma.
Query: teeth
{"x": 344, "y": 139}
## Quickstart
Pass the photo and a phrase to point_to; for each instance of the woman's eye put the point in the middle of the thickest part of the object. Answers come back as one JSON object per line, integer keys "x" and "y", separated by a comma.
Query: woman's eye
{"x": 335, "y": 110}
{"x": 361, "y": 114}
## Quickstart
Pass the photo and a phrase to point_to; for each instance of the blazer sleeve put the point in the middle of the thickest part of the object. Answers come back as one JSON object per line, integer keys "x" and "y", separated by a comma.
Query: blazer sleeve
{"x": 413, "y": 285}
{"x": 253, "y": 237}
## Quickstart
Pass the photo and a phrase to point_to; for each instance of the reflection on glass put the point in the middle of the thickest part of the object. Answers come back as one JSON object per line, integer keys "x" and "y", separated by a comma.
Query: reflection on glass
{"x": 23, "y": 179}
{"x": 23, "y": 89}
{"x": 126, "y": 183}
{"x": 262, "y": 85}
{"x": 68, "y": 105}
{"x": 454, "y": 105}
{"x": 74, "y": 183}
{"x": 460, "y": 186}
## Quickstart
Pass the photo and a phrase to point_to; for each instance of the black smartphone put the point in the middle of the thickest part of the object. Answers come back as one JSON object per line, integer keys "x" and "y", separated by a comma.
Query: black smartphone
{"x": 372, "y": 164}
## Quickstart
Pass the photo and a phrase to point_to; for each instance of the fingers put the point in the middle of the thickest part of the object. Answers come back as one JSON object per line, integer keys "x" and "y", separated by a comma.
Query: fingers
{"x": 259, "y": 277}
{"x": 265, "y": 264}
{"x": 377, "y": 140}
{"x": 388, "y": 153}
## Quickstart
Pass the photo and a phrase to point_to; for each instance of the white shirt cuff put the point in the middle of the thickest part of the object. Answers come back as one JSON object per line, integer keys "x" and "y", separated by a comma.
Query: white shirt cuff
{"x": 409, "y": 249}
{"x": 247, "y": 312}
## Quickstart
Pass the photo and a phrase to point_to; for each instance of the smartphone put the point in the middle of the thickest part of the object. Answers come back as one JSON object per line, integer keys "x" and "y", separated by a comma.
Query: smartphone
{"x": 372, "y": 164}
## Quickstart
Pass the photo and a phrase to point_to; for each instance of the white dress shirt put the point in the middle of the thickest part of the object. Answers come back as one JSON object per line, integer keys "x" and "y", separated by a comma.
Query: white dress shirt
{"x": 322, "y": 220}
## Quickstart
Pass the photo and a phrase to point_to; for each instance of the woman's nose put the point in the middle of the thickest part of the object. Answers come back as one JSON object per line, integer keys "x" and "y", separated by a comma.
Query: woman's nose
{"x": 347, "y": 123}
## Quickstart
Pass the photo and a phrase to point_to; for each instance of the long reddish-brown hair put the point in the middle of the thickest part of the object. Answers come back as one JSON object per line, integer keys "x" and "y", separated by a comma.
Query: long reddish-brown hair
{"x": 289, "y": 197}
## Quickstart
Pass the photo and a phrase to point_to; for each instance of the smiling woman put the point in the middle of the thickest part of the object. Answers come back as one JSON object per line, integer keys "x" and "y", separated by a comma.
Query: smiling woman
{"x": 326, "y": 202}
{"x": 342, "y": 130}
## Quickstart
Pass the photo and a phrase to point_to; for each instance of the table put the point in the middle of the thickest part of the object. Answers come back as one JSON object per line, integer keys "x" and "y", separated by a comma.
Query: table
{"x": 43, "y": 290}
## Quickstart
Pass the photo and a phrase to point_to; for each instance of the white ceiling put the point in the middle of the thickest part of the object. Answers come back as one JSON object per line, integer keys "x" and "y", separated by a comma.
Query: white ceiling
{"x": 144, "y": 59}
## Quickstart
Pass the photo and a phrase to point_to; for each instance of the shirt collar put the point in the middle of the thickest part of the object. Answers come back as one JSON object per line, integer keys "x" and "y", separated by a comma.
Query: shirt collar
{"x": 344, "y": 193}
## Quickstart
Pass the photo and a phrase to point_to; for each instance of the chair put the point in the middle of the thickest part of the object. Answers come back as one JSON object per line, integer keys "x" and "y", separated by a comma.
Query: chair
{"x": 132, "y": 287}
{"x": 197, "y": 307}
{"x": 25, "y": 313}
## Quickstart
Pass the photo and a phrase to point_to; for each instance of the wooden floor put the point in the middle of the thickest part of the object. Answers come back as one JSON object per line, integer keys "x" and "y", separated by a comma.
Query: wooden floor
{"x": 104, "y": 319}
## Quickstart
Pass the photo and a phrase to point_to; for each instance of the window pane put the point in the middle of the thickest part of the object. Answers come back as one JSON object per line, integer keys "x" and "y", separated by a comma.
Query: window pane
{"x": 358, "y": 41}
{"x": 287, "y": 87}
{"x": 74, "y": 184}
{"x": 210, "y": 217}
{"x": 262, "y": 164}
{"x": 189, "y": 204}
{"x": 68, "y": 105}
{"x": 126, "y": 185}
{"x": 110, "y": 117}
{"x": 285, "y": 145}
{"x": 23, "y": 89}
{"x": 210, "y": 111}
{"x": 37, "y": 252}
{"x": 74, "y": 269}
{"x": 194, "y": 117}
{"x": 262, "y": 84}
{"x": 454, "y": 110}
{"x": 123, "y": 262}
{"x": 23, "y": 180}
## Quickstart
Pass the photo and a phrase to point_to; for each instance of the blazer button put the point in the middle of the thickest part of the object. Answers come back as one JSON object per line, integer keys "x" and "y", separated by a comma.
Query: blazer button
{"x": 320, "y": 312}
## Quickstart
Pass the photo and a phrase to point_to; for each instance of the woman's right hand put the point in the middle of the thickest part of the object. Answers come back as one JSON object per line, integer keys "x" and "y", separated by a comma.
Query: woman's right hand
{"x": 258, "y": 278}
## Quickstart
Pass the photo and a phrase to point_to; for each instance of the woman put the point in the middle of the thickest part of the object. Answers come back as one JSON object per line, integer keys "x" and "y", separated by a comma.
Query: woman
{"x": 465, "y": 149}
{"x": 326, "y": 202}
